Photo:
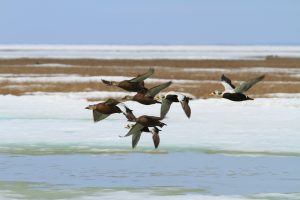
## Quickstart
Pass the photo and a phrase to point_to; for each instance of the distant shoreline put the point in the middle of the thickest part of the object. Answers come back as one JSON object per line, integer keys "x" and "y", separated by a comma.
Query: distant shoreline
{"x": 148, "y": 52}
{"x": 198, "y": 77}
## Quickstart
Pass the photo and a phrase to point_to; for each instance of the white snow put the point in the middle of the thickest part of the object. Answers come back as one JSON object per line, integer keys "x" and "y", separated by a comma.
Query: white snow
{"x": 259, "y": 126}
{"x": 147, "y": 195}
{"x": 83, "y": 95}
{"x": 245, "y": 69}
{"x": 8, "y": 75}
{"x": 147, "y": 51}
{"x": 21, "y": 78}
{"x": 50, "y": 65}
{"x": 75, "y": 78}
{"x": 283, "y": 95}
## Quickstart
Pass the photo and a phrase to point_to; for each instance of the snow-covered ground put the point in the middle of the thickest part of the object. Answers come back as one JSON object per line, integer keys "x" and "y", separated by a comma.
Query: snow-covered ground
{"x": 20, "y": 78}
{"x": 217, "y": 125}
{"x": 148, "y": 52}
{"x": 51, "y": 149}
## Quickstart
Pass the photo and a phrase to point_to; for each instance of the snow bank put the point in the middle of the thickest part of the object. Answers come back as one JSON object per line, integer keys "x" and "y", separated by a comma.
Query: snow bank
{"x": 218, "y": 126}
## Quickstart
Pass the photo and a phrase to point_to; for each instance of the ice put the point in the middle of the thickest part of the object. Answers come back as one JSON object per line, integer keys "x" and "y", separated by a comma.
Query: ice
{"x": 84, "y": 95}
{"x": 247, "y": 69}
{"x": 21, "y": 78}
{"x": 143, "y": 195}
{"x": 146, "y": 51}
{"x": 284, "y": 95}
{"x": 262, "y": 126}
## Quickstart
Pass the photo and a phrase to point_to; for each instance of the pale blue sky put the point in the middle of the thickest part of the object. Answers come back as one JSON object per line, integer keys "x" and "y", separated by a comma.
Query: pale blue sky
{"x": 192, "y": 22}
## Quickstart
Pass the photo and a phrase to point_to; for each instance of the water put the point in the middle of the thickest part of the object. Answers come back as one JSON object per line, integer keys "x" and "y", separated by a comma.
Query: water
{"x": 169, "y": 174}
{"x": 51, "y": 149}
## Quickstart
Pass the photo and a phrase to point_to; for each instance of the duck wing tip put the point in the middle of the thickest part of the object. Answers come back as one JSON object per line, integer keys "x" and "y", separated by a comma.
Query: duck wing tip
{"x": 155, "y": 137}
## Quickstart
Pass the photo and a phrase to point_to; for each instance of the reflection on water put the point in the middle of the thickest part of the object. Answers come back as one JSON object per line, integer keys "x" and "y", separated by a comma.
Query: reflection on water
{"x": 66, "y": 176}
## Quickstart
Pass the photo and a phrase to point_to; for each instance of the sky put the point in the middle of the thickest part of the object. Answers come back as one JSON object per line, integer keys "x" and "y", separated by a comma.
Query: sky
{"x": 150, "y": 22}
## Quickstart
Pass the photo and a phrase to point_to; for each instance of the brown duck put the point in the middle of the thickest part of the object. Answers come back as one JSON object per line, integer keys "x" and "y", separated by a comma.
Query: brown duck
{"x": 141, "y": 125}
{"x": 154, "y": 131}
{"x": 111, "y": 106}
{"x": 146, "y": 96}
{"x": 133, "y": 85}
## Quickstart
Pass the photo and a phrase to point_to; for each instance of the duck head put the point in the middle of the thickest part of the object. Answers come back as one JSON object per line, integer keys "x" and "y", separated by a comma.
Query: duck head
{"x": 129, "y": 125}
{"x": 216, "y": 93}
{"x": 159, "y": 97}
{"x": 91, "y": 107}
{"x": 127, "y": 97}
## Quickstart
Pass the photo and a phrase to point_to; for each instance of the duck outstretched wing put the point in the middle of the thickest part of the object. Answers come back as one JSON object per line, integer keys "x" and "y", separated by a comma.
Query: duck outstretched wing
{"x": 98, "y": 116}
{"x": 226, "y": 82}
{"x": 155, "y": 137}
{"x": 165, "y": 107}
{"x": 111, "y": 102}
{"x": 245, "y": 86}
{"x": 155, "y": 90}
{"x": 135, "y": 129}
{"x": 184, "y": 101}
{"x": 142, "y": 77}
{"x": 126, "y": 111}
{"x": 186, "y": 108}
{"x": 136, "y": 138}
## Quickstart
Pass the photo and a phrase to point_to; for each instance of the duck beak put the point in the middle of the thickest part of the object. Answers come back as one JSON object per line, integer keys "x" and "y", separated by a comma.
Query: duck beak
{"x": 212, "y": 94}
{"x": 87, "y": 107}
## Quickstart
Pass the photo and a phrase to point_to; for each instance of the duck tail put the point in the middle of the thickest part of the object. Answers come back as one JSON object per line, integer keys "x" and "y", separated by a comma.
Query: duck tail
{"x": 109, "y": 83}
{"x": 248, "y": 98}
{"x": 189, "y": 98}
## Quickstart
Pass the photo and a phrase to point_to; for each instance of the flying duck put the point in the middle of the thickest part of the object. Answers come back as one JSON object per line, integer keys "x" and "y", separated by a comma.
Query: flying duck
{"x": 171, "y": 97}
{"x": 141, "y": 125}
{"x": 133, "y": 85}
{"x": 111, "y": 106}
{"x": 146, "y": 96}
{"x": 154, "y": 131}
{"x": 236, "y": 93}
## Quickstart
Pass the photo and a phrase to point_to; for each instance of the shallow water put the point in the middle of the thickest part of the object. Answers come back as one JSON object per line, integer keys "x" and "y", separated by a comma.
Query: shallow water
{"x": 50, "y": 149}
{"x": 162, "y": 174}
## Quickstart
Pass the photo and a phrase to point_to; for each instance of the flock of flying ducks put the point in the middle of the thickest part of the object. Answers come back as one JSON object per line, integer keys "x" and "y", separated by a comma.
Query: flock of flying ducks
{"x": 152, "y": 96}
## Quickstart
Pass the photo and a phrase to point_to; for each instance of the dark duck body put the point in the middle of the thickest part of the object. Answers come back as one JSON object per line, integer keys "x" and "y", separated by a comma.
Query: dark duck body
{"x": 236, "y": 97}
{"x": 137, "y": 135}
{"x": 133, "y": 85}
{"x": 150, "y": 121}
{"x": 107, "y": 109}
{"x": 146, "y": 96}
{"x": 144, "y": 99}
{"x": 111, "y": 106}
{"x": 142, "y": 125}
